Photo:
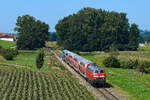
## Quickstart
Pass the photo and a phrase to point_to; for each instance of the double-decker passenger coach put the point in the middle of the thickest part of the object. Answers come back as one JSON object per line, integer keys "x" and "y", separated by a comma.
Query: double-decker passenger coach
{"x": 91, "y": 71}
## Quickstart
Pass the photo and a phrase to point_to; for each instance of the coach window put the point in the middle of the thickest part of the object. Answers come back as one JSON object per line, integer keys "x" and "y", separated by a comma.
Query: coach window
{"x": 70, "y": 56}
{"x": 75, "y": 59}
{"x": 82, "y": 64}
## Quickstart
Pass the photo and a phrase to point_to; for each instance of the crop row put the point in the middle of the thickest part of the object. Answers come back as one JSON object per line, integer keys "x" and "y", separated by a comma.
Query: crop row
{"x": 19, "y": 84}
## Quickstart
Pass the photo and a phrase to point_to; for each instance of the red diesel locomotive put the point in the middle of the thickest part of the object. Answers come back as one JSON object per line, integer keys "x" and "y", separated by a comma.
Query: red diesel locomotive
{"x": 88, "y": 69}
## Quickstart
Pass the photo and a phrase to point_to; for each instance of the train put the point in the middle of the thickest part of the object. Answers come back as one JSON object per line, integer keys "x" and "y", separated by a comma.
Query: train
{"x": 91, "y": 71}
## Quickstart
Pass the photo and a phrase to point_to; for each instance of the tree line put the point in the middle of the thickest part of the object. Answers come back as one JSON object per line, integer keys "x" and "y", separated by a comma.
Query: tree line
{"x": 88, "y": 30}
{"x": 96, "y": 30}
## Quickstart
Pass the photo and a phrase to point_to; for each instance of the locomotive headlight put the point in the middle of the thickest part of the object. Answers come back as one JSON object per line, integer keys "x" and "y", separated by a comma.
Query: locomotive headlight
{"x": 99, "y": 76}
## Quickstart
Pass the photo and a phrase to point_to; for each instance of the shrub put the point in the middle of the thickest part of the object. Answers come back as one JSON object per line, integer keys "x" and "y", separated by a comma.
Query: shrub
{"x": 15, "y": 52}
{"x": 111, "y": 62}
{"x": 8, "y": 54}
{"x": 40, "y": 60}
{"x": 142, "y": 67}
{"x": 131, "y": 64}
{"x": 1, "y": 50}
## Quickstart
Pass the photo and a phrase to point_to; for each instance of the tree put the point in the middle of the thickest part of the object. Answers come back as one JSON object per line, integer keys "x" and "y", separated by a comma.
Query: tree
{"x": 40, "y": 60}
{"x": 134, "y": 37}
{"x": 52, "y": 37}
{"x": 32, "y": 33}
{"x": 93, "y": 30}
{"x": 111, "y": 62}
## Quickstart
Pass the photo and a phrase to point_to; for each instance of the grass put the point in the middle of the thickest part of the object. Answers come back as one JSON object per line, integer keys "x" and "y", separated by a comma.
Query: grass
{"x": 122, "y": 55}
{"x": 130, "y": 84}
{"x": 52, "y": 82}
{"x": 25, "y": 58}
{"x": 7, "y": 44}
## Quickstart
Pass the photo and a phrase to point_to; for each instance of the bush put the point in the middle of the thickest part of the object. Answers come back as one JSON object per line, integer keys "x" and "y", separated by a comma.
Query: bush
{"x": 111, "y": 62}
{"x": 131, "y": 64}
{"x": 142, "y": 67}
{"x": 8, "y": 54}
{"x": 40, "y": 60}
{"x": 1, "y": 50}
{"x": 15, "y": 52}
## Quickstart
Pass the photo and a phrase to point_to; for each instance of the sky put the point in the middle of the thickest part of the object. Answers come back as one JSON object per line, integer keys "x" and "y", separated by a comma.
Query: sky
{"x": 51, "y": 11}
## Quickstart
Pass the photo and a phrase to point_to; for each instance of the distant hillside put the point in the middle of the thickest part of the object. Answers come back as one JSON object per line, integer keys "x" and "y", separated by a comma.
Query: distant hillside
{"x": 145, "y": 36}
{"x": 143, "y": 33}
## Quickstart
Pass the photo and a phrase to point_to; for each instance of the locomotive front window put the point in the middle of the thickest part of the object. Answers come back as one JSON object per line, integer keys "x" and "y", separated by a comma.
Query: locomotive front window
{"x": 101, "y": 71}
{"x": 96, "y": 71}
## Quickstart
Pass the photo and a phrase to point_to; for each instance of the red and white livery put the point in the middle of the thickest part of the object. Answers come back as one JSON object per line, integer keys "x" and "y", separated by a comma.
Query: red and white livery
{"x": 88, "y": 69}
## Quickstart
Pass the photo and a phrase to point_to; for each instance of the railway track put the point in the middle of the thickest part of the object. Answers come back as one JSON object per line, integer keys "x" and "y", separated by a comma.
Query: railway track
{"x": 101, "y": 93}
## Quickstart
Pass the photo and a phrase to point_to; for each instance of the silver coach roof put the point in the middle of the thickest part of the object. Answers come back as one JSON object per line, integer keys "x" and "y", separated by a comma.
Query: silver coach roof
{"x": 83, "y": 60}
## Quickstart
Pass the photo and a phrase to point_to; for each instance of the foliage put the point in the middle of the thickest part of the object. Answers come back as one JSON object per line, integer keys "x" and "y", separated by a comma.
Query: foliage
{"x": 127, "y": 82}
{"x": 24, "y": 58}
{"x": 1, "y": 50}
{"x": 52, "y": 37}
{"x": 94, "y": 30}
{"x": 32, "y": 33}
{"x": 9, "y": 54}
{"x": 142, "y": 67}
{"x": 40, "y": 60}
{"x": 134, "y": 37}
{"x": 111, "y": 62}
{"x": 113, "y": 51}
{"x": 131, "y": 64}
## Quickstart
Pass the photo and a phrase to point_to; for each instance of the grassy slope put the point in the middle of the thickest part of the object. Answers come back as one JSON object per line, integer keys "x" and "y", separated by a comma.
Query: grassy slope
{"x": 7, "y": 44}
{"x": 25, "y": 58}
{"x": 130, "y": 85}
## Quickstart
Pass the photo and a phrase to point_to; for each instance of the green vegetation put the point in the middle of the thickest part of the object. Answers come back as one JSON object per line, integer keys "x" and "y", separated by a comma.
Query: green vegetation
{"x": 52, "y": 36}
{"x": 21, "y": 84}
{"x": 9, "y": 54}
{"x": 7, "y": 44}
{"x": 93, "y": 29}
{"x": 111, "y": 62}
{"x": 40, "y": 59}
{"x": 32, "y": 33}
{"x": 129, "y": 83}
{"x": 52, "y": 82}
{"x": 25, "y": 58}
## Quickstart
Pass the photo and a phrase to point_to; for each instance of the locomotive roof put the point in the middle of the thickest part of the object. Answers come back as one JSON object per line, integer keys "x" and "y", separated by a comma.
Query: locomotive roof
{"x": 83, "y": 60}
{"x": 95, "y": 67}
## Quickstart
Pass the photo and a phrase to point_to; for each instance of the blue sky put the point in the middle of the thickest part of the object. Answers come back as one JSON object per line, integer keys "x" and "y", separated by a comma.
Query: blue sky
{"x": 50, "y": 11}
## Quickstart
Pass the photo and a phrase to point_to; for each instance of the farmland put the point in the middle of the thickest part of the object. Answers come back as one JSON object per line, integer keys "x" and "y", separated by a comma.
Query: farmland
{"x": 129, "y": 83}
{"x": 51, "y": 82}
{"x": 21, "y": 84}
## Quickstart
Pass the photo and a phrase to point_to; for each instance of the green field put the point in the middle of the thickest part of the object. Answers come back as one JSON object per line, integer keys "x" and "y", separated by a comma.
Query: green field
{"x": 129, "y": 83}
{"x": 37, "y": 85}
{"x": 7, "y": 44}
{"x": 25, "y": 58}
{"x": 52, "y": 82}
